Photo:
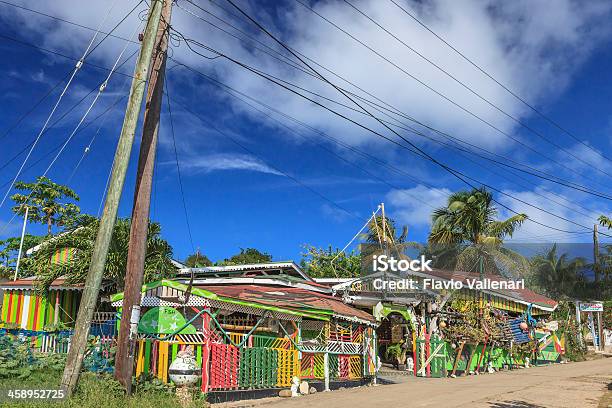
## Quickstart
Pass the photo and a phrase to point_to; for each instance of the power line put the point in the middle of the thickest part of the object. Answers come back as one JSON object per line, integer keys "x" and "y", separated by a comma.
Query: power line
{"x": 77, "y": 67}
{"x": 505, "y": 160}
{"x": 178, "y": 167}
{"x": 59, "y": 54}
{"x": 292, "y": 178}
{"x": 511, "y": 92}
{"x": 421, "y": 153}
{"x": 232, "y": 91}
{"x": 72, "y": 108}
{"x": 440, "y": 94}
{"x": 471, "y": 90}
{"x": 50, "y": 152}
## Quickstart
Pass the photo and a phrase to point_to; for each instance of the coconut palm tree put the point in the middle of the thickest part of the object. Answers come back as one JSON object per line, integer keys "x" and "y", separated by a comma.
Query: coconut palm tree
{"x": 605, "y": 221}
{"x": 557, "y": 275}
{"x": 466, "y": 235}
{"x": 81, "y": 241}
{"x": 47, "y": 202}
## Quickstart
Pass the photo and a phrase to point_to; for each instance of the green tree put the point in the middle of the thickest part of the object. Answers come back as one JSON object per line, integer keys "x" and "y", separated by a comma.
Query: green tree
{"x": 197, "y": 260}
{"x": 48, "y": 202}
{"x": 9, "y": 250}
{"x": 81, "y": 241}
{"x": 317, "y": 263}
{"x": 380, "y": 228}
{"x": 247, "y": 256}
{"x": 557, "y": 275}
{"x": 605, "y": 221}
{"x": 466, "y": 235}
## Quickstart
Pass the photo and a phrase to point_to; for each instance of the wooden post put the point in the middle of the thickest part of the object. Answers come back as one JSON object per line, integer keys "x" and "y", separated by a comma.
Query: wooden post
{"x": 326, "y": 370}
{"x": 25, "y": 221}
{"x": 74, "y": 360}
{"x": 206, "y": 353}
{"x": 596, "y": 267}
{"x": 458, "y": 358}
{"x": 137, "y": 249}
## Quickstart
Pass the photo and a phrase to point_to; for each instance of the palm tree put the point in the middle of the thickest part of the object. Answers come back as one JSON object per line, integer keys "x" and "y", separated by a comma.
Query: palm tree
{"x": 81, "y": 241}
{"x": 465, "y": 235}
{"x": 556, "y": 274}
{"x": 605, "y": 221}
{"x": 46, "y": 201}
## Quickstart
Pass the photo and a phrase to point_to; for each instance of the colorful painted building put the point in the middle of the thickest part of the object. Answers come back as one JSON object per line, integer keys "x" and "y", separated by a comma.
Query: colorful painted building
{"x": 254, "y": 327}
{"x": 411, "y": 317}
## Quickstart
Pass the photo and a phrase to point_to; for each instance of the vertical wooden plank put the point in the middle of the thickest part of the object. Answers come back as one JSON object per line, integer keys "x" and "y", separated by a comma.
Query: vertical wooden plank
{"x": 25, "y": 314}
{"x": 174, "y": 351}
{"x": 205, "y": 353}
{"x": 19, "y": 307}
{"x": 140, "y": 360}
{"x": 5, "y": 305}
{"x": 35, "y": 322}
{"x": 147, "y": 356}
{"x": 33, "y": 298}
{"x": 42, "y": 309}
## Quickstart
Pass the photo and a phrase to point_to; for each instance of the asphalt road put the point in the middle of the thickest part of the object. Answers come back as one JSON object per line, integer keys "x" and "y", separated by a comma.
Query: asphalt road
{"x": 573, "y": 385}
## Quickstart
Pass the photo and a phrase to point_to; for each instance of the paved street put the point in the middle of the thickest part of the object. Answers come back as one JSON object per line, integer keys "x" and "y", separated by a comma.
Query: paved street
{"x": 574, "y": 385}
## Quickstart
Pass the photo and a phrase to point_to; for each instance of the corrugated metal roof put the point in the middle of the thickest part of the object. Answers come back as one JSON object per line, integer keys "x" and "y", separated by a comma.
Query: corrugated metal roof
{"x": 288, "y": 297}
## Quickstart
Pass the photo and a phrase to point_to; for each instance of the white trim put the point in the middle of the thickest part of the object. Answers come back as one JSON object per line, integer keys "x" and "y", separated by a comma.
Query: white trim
{"x": 247, "y": 267}
{"x": 255, "y": 281}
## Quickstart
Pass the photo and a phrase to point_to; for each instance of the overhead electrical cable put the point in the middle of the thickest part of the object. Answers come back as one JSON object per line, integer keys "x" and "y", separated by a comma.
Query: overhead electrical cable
{"x": 282, "y": 58}
{"x": 505, "y": 160}
{"x": 66, "y": 113}
{"x": 178, "y": 166}
{"x": 443, "y": 96}
{"x": 506, "y": 88}
{"x": 475, "y": 93}
{"x": 90, "y": 48}
{"x": 419, "y": 152}
{"x": 275, "y": 168}
{"x": 242, "y": 96}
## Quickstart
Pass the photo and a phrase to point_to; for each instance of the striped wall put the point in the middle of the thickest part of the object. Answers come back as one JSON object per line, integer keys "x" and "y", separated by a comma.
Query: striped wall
{"x": 33, "y": 312}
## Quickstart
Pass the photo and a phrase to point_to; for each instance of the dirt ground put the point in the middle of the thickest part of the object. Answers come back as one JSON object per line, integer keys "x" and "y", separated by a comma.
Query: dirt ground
{"x": 573, "y": 385}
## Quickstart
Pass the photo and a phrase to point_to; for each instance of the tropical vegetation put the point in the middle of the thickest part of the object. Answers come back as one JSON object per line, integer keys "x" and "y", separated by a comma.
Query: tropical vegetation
{"x": 46, "y": 202}
{"x": 80, "y": 241}
{"x": 466, "y": 235}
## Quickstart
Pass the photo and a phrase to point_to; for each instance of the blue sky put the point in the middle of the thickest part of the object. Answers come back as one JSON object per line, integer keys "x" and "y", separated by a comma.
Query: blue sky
{"x": 558, "y": 58}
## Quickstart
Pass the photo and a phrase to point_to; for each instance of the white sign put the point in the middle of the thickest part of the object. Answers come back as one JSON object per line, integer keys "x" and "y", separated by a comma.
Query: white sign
{"x": 591, "y": 307}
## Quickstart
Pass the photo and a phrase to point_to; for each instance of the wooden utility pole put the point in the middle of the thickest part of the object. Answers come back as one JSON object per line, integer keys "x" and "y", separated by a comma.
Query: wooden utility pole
{"x": 25, "y": 222}
{"x": 124, "y": 359}
{"x": 596, "y": 268}
{"x": 74, "y": 360}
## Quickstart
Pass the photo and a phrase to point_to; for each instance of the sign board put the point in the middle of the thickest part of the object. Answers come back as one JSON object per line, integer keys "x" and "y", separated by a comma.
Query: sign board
{"x": 591, "y": 307}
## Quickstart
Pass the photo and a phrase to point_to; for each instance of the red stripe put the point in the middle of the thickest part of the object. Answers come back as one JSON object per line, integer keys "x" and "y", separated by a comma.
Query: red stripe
{"x": 18, "y": 315}
{"x": 10, "y": 304}
{"x": 34, "y": 327}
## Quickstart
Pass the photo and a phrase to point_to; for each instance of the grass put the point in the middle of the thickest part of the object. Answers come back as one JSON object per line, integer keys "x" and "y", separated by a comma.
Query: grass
{"x": 93, "y": 391}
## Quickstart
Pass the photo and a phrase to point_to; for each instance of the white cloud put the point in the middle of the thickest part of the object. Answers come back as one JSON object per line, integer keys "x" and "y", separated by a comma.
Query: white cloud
{"x": 549, "y": 203}
{"x": 533, "y": 48}
{"x": 413, "y": 206}
{"x": 224, "y": 161}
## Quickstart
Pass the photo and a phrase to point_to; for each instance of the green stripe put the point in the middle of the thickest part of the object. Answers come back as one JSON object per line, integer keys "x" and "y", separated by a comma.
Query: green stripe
{"x": 199, "y": 355}
{"x": 174, "y": 351}
{"x": 41, "y": 313}
{"x": 147, "y": 356}
{"x": 33, "y": 298}
{"x": 5, "y": 301}
{"x": 13, "y": 318}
